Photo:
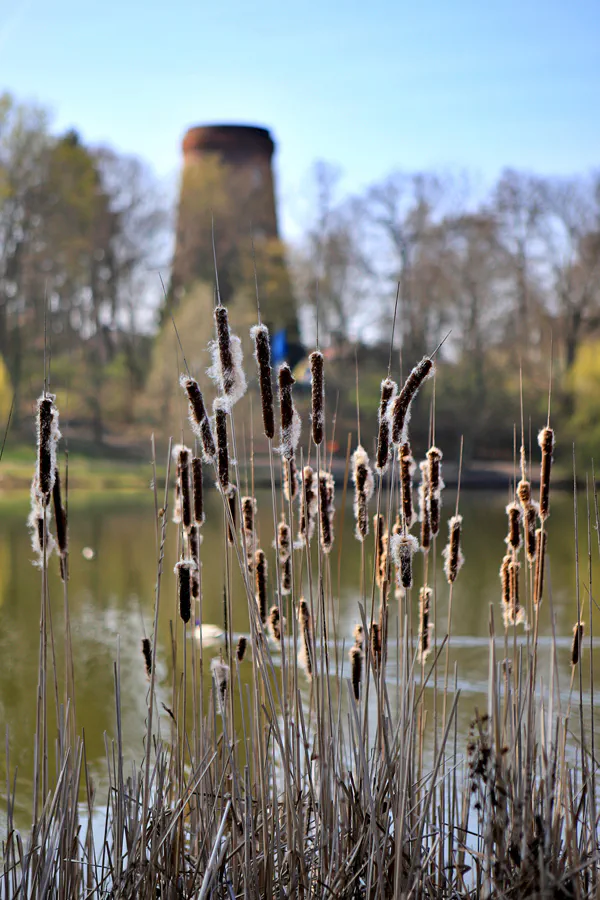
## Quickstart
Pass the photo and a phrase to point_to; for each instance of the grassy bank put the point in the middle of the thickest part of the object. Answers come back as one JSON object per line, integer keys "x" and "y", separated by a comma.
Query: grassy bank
{"x": 330, "y": 771}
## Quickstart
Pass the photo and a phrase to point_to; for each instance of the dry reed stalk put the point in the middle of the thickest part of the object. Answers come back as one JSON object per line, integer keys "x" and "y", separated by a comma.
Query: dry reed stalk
{"x": 260, "y": 584}
{"x": 364, "y": 486}
{"x": 424, "y": 507}
{"x": 289, "y": 418}
{"x": 147, "y": 654}
{"x": 198, "y": 417}
{"x": 425, "y": 627}
{"x": 453, "y": 556}
{"x": 355, "y": 655}
{"x": 317, "y": 395}
{"x": 183, "y": 570}
{"x": 275, "y": 623}
{"x": 306, "y": 652}
{"x": 513, "y": 538}
{"x": 262, "y": 355}
{"x": 407, "y": 471}
{"x": 227, "y": 371}
{"x": 290, "y": 480}
{"x": 577, "y": 645}
{"x": 240, "y": 650}
{"x": 220, "y": 673}
{"x": 389, "y": 389}
{"x": 436, "y": 485}
{"x": 546, "y": 442}
{"x": 403, "y": 547}
{"x": 327, "y": 510}
{"x": 400, "y": 409}
{"x": 197, "y": 490}
{"x": 541, "y": 540}
{"x": 308, "y": 508}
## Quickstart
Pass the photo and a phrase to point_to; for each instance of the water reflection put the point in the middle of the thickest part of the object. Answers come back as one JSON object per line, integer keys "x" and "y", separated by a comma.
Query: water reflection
{"x": 112, "y": 595}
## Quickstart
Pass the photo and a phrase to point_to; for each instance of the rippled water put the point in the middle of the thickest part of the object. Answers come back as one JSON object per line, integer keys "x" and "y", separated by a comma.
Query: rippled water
{"x": 111, "y": 599}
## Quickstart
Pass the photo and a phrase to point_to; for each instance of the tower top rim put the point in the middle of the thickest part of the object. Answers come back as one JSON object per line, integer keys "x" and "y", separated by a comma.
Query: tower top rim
{"x": 223, "y": 138}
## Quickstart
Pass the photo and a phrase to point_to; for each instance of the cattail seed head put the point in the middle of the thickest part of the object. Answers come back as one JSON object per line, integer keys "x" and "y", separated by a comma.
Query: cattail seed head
{"x": 232, "y": 502}
{"x": 425, "y": 507}
{"x": 290, "y": 480}
{"x": 403, "y": 547}
{"x": 530, "y": 528}
{"x": 222, "y": 447}
{"x": 284, "y": 540}
{"x": 505, "y": 580}
{"x": 290, "y": 420}
{"x": 220, "y": 673}
{"x": 240, "y": 650}
{"x": 327, "y": 511}
{"x": 147, "y": 654}
{"x": 375, "y": 644}
{"x": 434, "y": 458}
{"x": 400, "y": 409}
{"x": 308, "y": 508}
{"x": 182, "y": 456}
{"x": 356, "y": 660}
{"x": 577, "y": 645}
{"x": 317, "y": 395}
{"x": 389, "y": 389}
{"x": 364, "y": 486}
{"x": 177, "y": 502}
{"x": 227, "y": 371}
{"x": 380, "y": 555}
{"x": 546, "y": 442}
{"x": 407, "y": 470}
{"x": 249, "y": 509}
{"x": 197, "y": 490}
{"x": 60, "y": 521}
{"x": 198, "y": 416}
{"x": 359, "y": 635}
{"x": 275, "y": 623}
{"x": 38, "y": 523}
{"x": 514, "y": 614}
{"x": 262, "y": 355}
{"x": 194, "y": 539}
{"x": 541, "y": 539}
{"x": 184, "y": 570}
{"x": 524, "y": 493}
{"x": 306, "y": 653}
{"x": 48, "y": 438}
{"x": 260, "y": 583}
{"x": 286, "y": 576}
{"x": 425, "y": 627}
{"x": 513, "y": 538}
{"x": 453, "y": 557}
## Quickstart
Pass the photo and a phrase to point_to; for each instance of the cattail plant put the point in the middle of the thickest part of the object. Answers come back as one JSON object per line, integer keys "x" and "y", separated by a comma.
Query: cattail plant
{"x": 193, "y": 540}
{"x": 317, "y": 377}
{"x": 38, "y": 523}
{"x": 147, "y": 654}
{"x": 375, "y": 641}
{"x": 260, "y": 583}
{"x": 400, "y": 409}
{"x": 220, "y": 412}
{"x": 275, "y": 623}
{"x": 240, "y": 650}
{"x": 290, "y": 480}
{"x": 425, "y": 627}
{"x": 262, "y": 355}
{"x": 232, "y": 503}
{"x": 453, "y": 556}
{"x": 308, "y": 508}
{"x": 546, "y": 442}
{"x": 359, "y": 635}
{"x": 424, "y": 507}
{"x": 436, "y": 485}
{"x": 364, "y": 485}
{"x": 306, "y": 652}
{"x": 389, "y": 389}
{"x": 577, "y": 645}
{"x": 184, "y": 569}
{"x": 513, "y": 538}
{"x": 220, "y": 673}
{"x": 403, "y": 547}
{"x": 183, "y": 489}
{"x": 227, "y": 371}
{"x": 60, "y": 522}
{"x": 176, "y": 518}
{"x": 284, "y": 547}
{"x": 197, "y": 490}
{"x": 286, "y": 576}
{"x": 380, "y": 548}
{"x": 48, "y": 437}
{"x": 541, "y": 539}
{"x": 249, "y": 509}
{"x": 198, "y": 417}
{"x": 327, "y": 511}
{"x": 290, "y": 420}
{"x": 407, "y": 471}
{"x": 531, "y": 513}
{"x": 356, "y": 664}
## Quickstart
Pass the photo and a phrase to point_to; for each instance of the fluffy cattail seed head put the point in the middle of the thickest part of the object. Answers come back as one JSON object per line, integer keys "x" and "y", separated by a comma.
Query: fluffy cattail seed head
{"x": 286, "y": 576}
{"x": 249, "y": 508}
{"x": 60, "y": 521}
{"x": 424, "y": 507}
{"x": 275, "y": 623}
{"x": 546, "y": 442}
{"x": 400, "y": 410}
{"x": 513, "y": 538}
{"x": 197, "y": 490}
{"x": 356, "y": 660}
{"x": 48, "y": 437}
{"x": 327, "y": 511}
{"x": 220, "y": 673}
{"x": 524, "y": 493}
{"x": 389, "y": 389}
{"x": 306, "y": 652}
{"x": 222, "y": 448}
{"x": 364, "y": 486}
{"x": 240, "y": 650}
{"x": 407, "y": 470}
{"x": 227, "y": 371}
{"x": 403, "y": 547}
{"x": 317, "y": 395}
{"x": 260, "y": 583}
{"x": 262, "y": 355}
{"x": 359, "y": 635}
{"x": 530, "y": 523}
{"x": 290, "y": 480}
{"x": 308, "y": 509}
{"x": 453, "y": 557}
{"x": 198, "y": 416}
{"x": 184, "y": 570}
{"x": 232, "y": 502}
{"x": 541, "y": 539}
{"x": 425, "y": 627}
{"x": 290, "y": 420}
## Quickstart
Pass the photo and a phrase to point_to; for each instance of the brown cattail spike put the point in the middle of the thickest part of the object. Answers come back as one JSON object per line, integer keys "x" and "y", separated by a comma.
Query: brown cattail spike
{"x": 453, "y": 557}
{"x": 197, "y": 490}
{"x": 425, "y": 507}
{"x": 530, "y": 523}
{"x": 260, "y": 583}
{"x": 375, "y": 644}
{"x": 220, "y": 673}
{"x": 546, "y": 442}
{"x": 363, "y": 490}
{"x": 306, "y": 653}
{"x": 403, "y": 548}
{"x": 379, "y": 530}
{"x": 290, "y": 420}
{"x": 222, "y": 448}
{"x": 308, "y": 510}
{"x": 232, "y": 502}
{"x": 389, "y": 389}
{"x": 290, "y": 480}
{"x": 194, "y": 539}
{"x": 184, "y": 570}
{"x": 48, "y": 436}
{"x": 249, "y": 509}
{"x": 505, "y": 580}
{"x": 227, "y": 371}
{"x": 147, "y": 654}
{"x": 541, "y": 539}
{"x": 317, "y": 395}
{"x": 513, "y": 538}
{"x": 60, "y": 517}
{"x": 275, "y": 623}
{"x": 524, "y": 493}
{"x": 435, "y": 485}
{"x": 240, "y": 650}
{"x": 356, "y": 660}
{"x": 286, "y": 576}
{"x": 327, "y": 511}
{"x": 424, "y": 624}
{"x": 198, "y": 416}
{"x": 262, "y": 355}
{"x": 407, "y": 470}
{"x": 401, "y": 406}
{"x": 577, "y": 645}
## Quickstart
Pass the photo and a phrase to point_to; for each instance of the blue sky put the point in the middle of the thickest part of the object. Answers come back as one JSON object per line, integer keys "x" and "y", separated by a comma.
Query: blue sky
{"x": 373, "y": 86}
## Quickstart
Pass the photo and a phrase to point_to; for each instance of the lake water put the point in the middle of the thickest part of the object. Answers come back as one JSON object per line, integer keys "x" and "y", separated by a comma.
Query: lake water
{"x": 111, "y": 599}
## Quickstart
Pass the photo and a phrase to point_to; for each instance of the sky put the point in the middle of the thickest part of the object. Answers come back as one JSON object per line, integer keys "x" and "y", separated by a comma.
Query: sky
{"x": 371, "y": 86}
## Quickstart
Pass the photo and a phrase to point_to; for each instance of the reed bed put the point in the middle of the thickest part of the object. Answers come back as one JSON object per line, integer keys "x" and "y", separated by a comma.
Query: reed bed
{"x": 309, "y": 773}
